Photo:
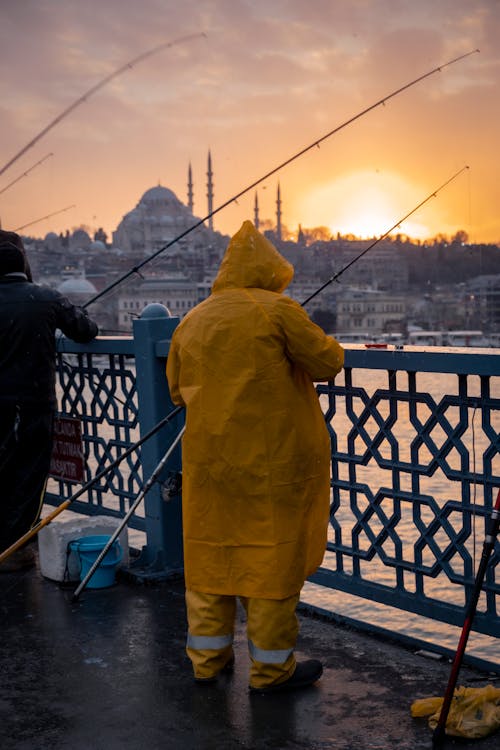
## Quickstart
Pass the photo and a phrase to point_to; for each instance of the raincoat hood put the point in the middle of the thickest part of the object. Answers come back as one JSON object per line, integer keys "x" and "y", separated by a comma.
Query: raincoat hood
{"x": 252, "y": 261}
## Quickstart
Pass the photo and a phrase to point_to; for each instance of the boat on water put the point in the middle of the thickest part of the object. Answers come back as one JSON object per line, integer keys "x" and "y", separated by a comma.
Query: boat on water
{"x": 468, "y": 338}
{"x": 465, "y": 338}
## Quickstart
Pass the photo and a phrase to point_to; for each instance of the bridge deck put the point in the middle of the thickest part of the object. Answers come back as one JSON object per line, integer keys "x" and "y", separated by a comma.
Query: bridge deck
{"x": 110, "y": 673}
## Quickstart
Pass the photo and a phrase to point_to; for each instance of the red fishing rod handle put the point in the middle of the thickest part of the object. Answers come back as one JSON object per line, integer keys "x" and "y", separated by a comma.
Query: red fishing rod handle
{"x": 439, "y": 734}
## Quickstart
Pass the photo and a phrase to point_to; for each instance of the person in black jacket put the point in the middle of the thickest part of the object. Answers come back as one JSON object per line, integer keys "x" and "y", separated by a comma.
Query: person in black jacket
{"x": 30, "y": 314}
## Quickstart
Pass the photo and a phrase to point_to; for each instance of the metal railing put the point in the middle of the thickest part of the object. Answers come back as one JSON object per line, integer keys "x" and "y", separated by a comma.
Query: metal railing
{"x": 415, "y": 464}
{"x": 99, "y": 388}
{"x": 117, "y": 388}
{"x": 415, "y": 471}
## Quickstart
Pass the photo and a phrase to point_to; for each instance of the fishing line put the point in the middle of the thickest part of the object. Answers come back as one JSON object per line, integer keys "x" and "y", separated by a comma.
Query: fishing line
{"x": 300, "y": 153}
{"x": 95, "y": 88}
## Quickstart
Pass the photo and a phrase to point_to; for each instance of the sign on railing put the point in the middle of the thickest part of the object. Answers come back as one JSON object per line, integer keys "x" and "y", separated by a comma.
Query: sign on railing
{"x": 67, "y": 462}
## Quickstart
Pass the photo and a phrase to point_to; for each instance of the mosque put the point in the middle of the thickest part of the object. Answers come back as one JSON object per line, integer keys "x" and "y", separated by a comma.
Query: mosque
{"x": 161, "y": 217}
{"x": 80, "y": 266}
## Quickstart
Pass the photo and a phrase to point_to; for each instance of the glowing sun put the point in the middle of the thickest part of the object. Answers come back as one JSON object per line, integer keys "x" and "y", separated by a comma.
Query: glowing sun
{"x": 365, "y": 204}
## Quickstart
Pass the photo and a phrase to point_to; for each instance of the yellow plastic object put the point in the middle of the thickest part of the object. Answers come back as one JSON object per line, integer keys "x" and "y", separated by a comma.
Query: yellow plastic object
{"x": 474, "y": 712}
{"x": 256, "y": 451}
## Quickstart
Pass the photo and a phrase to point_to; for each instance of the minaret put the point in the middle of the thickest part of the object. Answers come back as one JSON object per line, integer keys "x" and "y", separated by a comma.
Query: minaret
{"x": 210, "y": 191}
{"x": 190, "y": 189}
{"x": 300, "y": 236}
{"x": 256, "y": 211}
{"x": 278, "y": 213}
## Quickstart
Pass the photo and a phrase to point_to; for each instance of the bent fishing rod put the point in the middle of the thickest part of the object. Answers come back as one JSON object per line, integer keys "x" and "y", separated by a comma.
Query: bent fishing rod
{"x": 336, "y": 276}
{"x": 234, "y": 198}
{"x": 95, "y": 88}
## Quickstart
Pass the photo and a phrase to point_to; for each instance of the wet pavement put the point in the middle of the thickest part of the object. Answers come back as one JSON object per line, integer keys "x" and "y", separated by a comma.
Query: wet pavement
{"x": 109, "y": 672}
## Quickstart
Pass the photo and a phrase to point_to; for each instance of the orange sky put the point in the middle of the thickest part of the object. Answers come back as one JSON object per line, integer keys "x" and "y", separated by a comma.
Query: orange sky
{"x": 266, "y": 80}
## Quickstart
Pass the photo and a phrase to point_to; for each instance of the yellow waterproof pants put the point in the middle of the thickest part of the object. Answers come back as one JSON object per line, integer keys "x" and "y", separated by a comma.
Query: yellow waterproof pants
{"x": 272, "y": 629}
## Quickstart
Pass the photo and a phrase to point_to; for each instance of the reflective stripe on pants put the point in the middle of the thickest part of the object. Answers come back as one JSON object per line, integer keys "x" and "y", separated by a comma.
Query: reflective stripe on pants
{"x": 268, "y": 656}
{"x": 272, "y": 630}
{"x": 210, "y": 634}
{"x": 212, "y": 642}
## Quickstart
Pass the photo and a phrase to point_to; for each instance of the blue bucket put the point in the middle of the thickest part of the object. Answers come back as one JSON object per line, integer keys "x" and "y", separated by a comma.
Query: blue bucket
{"x": 88, "y": 549}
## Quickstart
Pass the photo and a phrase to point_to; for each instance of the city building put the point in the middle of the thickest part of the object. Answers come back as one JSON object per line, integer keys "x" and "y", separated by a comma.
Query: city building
{"x": 177, "y": 293}
{"x": 483, "y": 298}
{"x": 163, "y": 253}
{"x": 370, "y": 310}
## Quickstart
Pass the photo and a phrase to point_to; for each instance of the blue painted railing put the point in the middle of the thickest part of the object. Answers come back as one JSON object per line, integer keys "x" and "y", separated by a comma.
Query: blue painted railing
{"x": 118, "y": 389}
{"x": 415, "y": 474}
{"x": 415, "y": 464}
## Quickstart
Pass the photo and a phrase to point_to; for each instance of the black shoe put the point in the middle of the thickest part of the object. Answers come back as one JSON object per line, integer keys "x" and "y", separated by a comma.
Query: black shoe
{"x": 306, "y": 673}
{"x": 226, "y": 669}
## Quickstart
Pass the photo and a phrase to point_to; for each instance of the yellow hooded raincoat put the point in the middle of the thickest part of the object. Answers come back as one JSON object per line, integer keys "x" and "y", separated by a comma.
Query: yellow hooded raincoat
{"x": 256, "y": 449}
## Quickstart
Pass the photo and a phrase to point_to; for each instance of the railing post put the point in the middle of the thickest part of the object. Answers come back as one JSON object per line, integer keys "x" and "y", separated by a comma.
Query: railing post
{"x": 162, "y": 555}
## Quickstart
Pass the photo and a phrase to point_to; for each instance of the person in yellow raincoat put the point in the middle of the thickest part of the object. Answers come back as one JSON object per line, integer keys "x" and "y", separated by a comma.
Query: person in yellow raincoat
{"x": 256, "y": 460}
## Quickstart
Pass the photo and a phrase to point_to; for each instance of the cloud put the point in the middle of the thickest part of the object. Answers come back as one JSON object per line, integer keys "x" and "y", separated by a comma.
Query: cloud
{"x": 267, "y": 79}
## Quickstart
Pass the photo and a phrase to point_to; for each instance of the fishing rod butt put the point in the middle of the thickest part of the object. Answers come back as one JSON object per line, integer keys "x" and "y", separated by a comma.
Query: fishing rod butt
{"x": 438, "y": 737}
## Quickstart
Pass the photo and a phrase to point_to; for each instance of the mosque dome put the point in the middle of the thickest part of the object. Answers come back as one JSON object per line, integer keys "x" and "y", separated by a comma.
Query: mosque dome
{"x": 77, "y": 285}
{"x": 97, "y": 245}
{"x": 157, "y": 219}
{"x": 159, "y": 195}
{"x": 52, "y": 241}
{"x": 80, "y": 238}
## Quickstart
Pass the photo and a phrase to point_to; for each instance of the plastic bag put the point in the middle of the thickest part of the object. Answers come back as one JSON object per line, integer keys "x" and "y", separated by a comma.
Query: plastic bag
{"x": 474, "y": 712}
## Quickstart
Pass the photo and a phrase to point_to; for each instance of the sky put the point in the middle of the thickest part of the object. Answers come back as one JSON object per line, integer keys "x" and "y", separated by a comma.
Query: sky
{"x": 255, "y": 82}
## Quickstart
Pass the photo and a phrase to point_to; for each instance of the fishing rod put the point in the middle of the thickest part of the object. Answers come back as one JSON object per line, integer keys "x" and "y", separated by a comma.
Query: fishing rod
{"x": 25, "y": 174}
{"x": 493, "y": 526}
{"x": 61, "y": 210}
{"x": 300, "y": 153}
{"x": 60, "y": 508}
{"x": 95, "y": 88}
{"x": 152, "y": 479}
{"x": 354, "y": 260}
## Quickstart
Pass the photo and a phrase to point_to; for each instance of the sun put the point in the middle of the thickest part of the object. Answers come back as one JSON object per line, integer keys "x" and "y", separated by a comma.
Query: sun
{"x": 365, "y": 204}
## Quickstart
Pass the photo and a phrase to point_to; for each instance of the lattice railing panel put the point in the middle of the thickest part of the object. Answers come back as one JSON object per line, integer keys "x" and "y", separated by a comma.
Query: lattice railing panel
{"x": 101, "y": 391}
{"x": 415, "y": 471}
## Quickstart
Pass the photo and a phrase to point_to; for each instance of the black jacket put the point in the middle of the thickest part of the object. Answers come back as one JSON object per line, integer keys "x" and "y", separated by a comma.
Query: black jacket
{"x": 29, "y": 317}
